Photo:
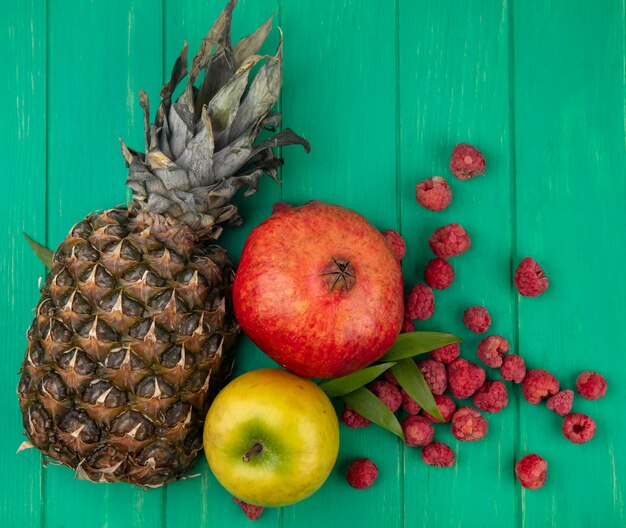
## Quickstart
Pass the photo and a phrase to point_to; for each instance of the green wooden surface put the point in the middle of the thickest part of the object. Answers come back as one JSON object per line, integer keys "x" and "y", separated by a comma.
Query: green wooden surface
{"x": 382, "y": 90}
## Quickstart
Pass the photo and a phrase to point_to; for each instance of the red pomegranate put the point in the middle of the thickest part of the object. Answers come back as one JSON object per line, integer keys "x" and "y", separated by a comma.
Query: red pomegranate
{"x": 319, "y": 290}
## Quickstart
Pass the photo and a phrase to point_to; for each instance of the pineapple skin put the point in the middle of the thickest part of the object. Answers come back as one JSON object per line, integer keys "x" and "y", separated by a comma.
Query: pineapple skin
{"x": 132, "y": 339}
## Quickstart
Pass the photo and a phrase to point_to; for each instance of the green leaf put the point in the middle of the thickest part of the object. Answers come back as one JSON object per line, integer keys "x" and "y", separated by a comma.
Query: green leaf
{"x": 415, "y": 343}
{"x": 351, "y": 382}
{"x": 369, "y": 406}
{"x": 43, "y": 253}
{"x": 412, "y": 381}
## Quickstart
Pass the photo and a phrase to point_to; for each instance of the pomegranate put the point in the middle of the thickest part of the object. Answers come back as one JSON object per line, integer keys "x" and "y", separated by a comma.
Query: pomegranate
{"x": 319, "y": 290}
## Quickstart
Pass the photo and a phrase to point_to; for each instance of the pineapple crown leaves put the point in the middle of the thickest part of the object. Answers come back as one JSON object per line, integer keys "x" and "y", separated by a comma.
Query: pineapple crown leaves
{"x": 202, "y": 148}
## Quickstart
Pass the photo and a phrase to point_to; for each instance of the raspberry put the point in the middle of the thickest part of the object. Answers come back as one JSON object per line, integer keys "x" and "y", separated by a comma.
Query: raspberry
{"x": 407, "y": 326}
{"x": 353, "y": 419}
{"x": 387, "y": 393}
{"x": 433, "y": 193}
{"x": 446, "y": 407}
{"x": 578, "y": 428}
{"x": 591, "y": 385}
{"x": 477, "y": 319}
{"x": 530, "y": 280}
{"x": 539, "y": 384}
{"x": 409, "y": 405}
{"x": 252, "y": 512}
{"x": 531, "y": 471}
{"x": 420, "y": 304}
{"x": 446, "y": 354}
{"x": 362, "y": 473}
{"x": 491, "y": 350}
{"x": 439, "y": 274}
{"x": 449, "y": 241}
{"x": 466, "y": 162}
{"x": 435, "y": 375}
{"x": 468, "y": 425}
{"x": 464, "y": 378}
{"x": 279, "y": 207}
{"x": 395, "y": 240}
{"x": 438, "y": 454}
{"x": 418, "y": 431}
{"x": 513, "y": 368}
{"x": 561, "y": 402}
{"x": 491, "y": 397}
{"x": 388, "y": 375}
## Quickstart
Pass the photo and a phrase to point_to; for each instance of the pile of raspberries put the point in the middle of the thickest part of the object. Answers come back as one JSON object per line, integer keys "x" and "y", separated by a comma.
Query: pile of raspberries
{"x": 446, "y": 371}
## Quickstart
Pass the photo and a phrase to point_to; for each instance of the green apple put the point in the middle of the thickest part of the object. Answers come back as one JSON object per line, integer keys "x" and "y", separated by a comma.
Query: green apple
{"x": 271, "y": 437}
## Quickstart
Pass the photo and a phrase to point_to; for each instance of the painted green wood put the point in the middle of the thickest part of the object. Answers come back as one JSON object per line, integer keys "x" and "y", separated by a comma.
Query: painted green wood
{"x": 383, "y": 90}
{"x": 571, "y": 193}
{"x": 454, "y": 88}
{"x": 95, "y": 69}
{"x": 22, "y": 208}
{"x": 340, "y": 92}
{"x": 202, "y": 501}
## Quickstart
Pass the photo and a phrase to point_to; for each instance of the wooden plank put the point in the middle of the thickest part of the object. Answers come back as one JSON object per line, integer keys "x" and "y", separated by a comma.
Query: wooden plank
{"x": 340, "y": 93}
{"x": 454, "y": 89}
{"x": 22, "y": 209}
{"x": 100, "y": 54}
{"x": 202, "y": 501}
{"x": 569, "y": 85}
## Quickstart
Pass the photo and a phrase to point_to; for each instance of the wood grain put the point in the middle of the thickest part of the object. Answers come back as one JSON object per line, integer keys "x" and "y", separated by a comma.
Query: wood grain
{"x": 96, "y": 68}
{"x": 454, "y": 88}
{"x": 340, "y": 92}
{"x": 22, "y": 209}
{"x": 571, "y": 192}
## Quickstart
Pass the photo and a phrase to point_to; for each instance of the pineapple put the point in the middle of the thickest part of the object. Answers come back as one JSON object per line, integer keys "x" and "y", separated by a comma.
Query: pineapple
{"x": 134, "y": 333}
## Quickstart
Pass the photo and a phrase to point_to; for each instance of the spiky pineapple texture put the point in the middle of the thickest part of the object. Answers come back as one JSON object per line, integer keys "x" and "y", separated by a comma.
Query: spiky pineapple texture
{"x": 134, "y": 331}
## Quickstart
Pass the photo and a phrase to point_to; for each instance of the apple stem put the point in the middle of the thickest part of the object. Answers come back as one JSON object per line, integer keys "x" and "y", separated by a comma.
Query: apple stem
{"x": 254, "y": 450}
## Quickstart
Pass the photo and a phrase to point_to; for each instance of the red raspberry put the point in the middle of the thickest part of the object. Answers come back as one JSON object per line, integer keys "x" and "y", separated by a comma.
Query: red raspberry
{"x": 468, "y": 425}
{"x": 438, "y": 454}
{"x": 491, "y": 350}
{"x": 409, "y": 405}
{"x": 252, "y": 512}
{"x": 466, "y": 162}
{"x": 531, "y": 471}
{"x": 449, "y": 241}
{"x": 530, "y": 280}
{"x": 578, "y": 428}
{"x": 539, "y": 384}
{"x": 591, "y": 385}
{"x": 477, "y": 319}
{"x": 420, "y": 304}
{"x": 464, "y": 378}
{"x": 446, "y": 354}
{"x": 513, "y": 368}
{"x": 418, "y": 431}
{"x": 439, "y": 274}
{"x": 387, "y": 393}
{"x": 446, "y": 407}
{"x": 388, "y": 375}
{"x": 353, "y": 419}
{"x": 435, "y": 375}
{"x": 407, "y": 326}
{"x": 433, "y": 193}
{"x": 279, "y": 207}
{"x": 492, "y": 397}
{"x": 561, "y": 402}
{"x": 362, "y": 473}
{"x": 395, "y": 240}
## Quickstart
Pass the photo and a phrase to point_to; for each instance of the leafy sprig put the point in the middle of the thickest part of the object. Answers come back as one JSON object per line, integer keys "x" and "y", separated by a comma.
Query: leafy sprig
{"x": 351, "y": 388}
